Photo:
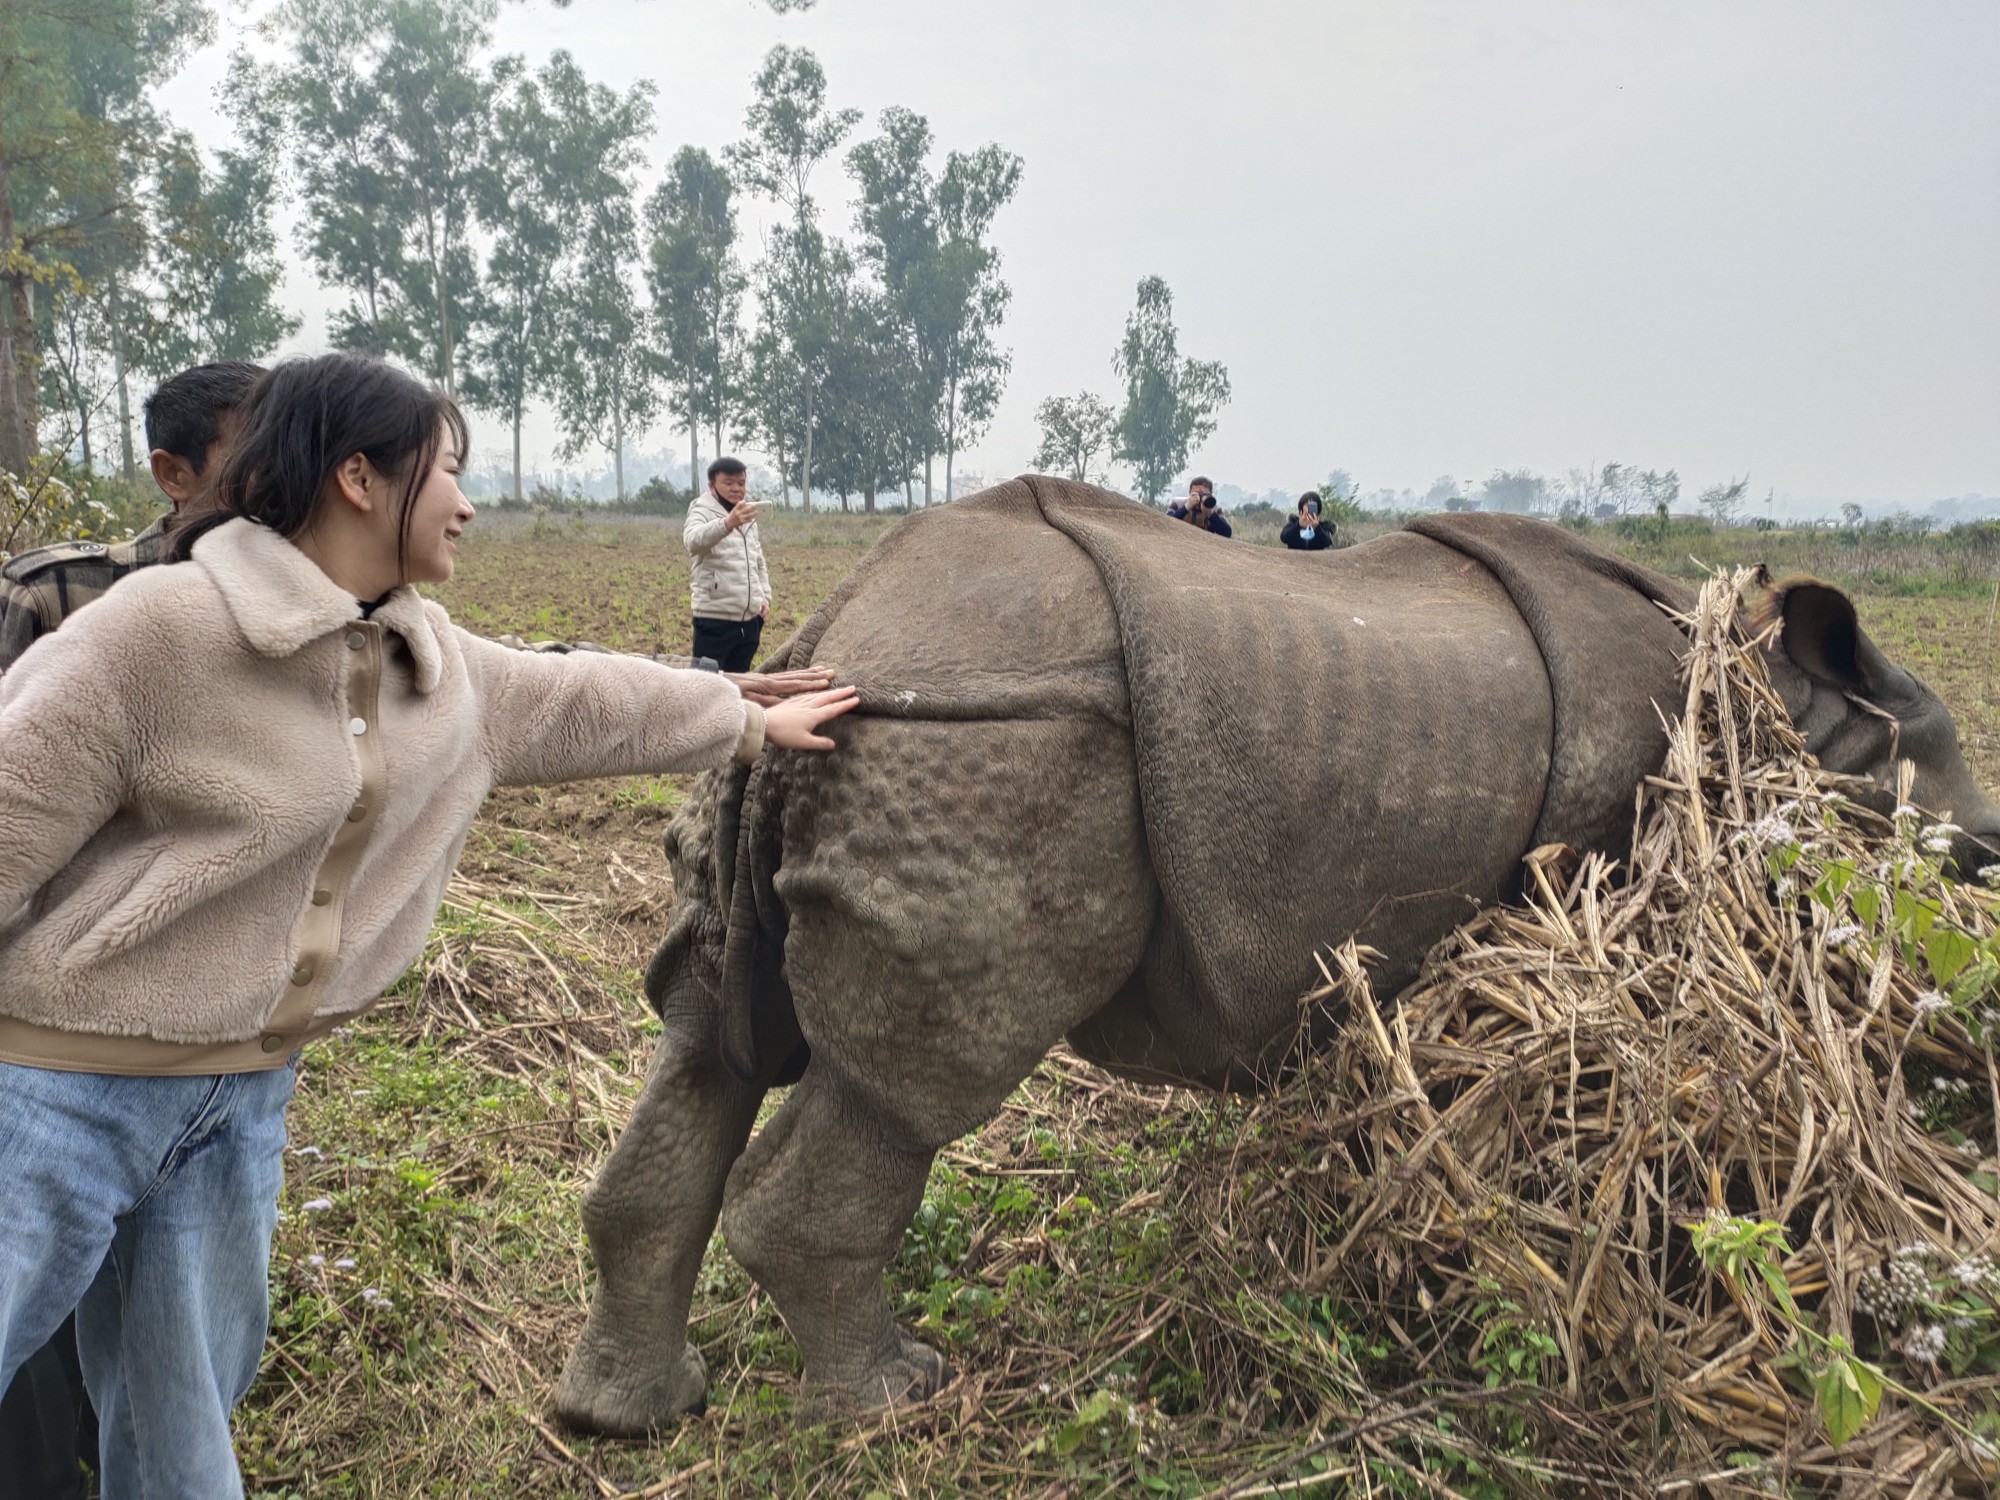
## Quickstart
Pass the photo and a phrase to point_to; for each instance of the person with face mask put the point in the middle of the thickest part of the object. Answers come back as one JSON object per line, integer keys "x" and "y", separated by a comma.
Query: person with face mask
{"x": 1306, "y": 531}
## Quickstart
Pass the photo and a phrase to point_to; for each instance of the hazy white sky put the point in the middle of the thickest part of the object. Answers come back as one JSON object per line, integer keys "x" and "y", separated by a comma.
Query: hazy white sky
{"x": 1434, "y": 236}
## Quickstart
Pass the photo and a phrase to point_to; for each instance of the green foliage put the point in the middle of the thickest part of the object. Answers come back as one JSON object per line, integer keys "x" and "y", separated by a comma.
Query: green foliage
{"x": 697, "y": 289}
{"x": 607, "y": 375}
{"x": 924, "y": 235}
{"x": 555, "y": 147}
{"x": 382, "y": 113}
{"x": 1512, "y": 1347}
{"x": 76, "y": 136}
{"x": 57, "y": 500}
{"x": 1075, "y": 431}
{"x": 1846, "y": 1389}
{"x": 1170, "y": 401}
{"x": 215, "y": 260}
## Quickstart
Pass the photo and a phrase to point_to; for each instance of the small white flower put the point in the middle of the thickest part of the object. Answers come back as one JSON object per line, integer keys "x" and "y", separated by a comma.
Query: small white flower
{"x": 313, "y": 1151}
{"x": 1930, "y": 1002}
{"x": 1989, "y": 873}
{"x": 343, "y": 1264}
{"x": 1971, "y": 1272}
{"x": 315, "y": 1261}
{"x": 316, "y": 1205}
{"x": 370, "y": 1294}
{"x": 343, "y": 1032}
{"x": 1925, "y": 1343}
{"x": 1772, "y": 831}
{"x": 1843, "y": 934}
{"x": 1904, "y": 810}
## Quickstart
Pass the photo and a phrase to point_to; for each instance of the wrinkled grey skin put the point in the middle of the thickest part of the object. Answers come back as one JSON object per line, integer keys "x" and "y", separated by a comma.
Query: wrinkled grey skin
{"x": 1025, "y": 837}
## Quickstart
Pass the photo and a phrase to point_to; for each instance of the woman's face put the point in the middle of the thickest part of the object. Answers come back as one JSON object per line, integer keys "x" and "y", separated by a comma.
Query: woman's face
{"x": 437, "y": 516}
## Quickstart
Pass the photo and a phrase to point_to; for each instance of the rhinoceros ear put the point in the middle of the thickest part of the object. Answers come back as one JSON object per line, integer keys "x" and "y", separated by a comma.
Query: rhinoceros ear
{"x": 1822, "y": 636}
{"x": 1760, "y": 599}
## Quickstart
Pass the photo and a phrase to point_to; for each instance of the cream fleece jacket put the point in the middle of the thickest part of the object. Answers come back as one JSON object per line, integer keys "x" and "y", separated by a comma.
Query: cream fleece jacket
{"x": 229, "y": 805}
{"x": 726, "y": 575}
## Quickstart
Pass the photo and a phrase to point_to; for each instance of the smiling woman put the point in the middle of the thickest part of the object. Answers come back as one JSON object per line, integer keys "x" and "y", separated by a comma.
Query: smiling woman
{"x": 231, "y": 794}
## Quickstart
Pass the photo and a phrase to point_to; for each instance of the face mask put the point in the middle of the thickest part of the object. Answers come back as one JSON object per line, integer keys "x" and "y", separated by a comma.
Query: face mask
{"x": 1305, "y": 531}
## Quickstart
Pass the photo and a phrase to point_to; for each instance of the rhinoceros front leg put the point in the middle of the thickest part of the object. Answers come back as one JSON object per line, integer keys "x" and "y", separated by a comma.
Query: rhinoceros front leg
{"x": 815, "y": 1209}
{"x": 649, "y": 1217}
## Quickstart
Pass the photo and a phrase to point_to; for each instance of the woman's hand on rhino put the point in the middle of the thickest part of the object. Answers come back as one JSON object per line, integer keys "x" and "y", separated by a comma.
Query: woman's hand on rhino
{"x": 789, "y": 725}
{"x": 767, "y": 688}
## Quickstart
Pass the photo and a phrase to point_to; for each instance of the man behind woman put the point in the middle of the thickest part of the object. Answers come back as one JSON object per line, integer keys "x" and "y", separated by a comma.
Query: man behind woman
{"x": 231, "y": 794}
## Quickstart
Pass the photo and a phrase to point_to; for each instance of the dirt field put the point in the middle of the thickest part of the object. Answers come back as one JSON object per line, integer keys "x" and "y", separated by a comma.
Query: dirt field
{"x": 421, "y": 1316}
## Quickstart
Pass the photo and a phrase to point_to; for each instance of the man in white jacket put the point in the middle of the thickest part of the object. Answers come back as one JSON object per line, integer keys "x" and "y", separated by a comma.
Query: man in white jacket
{"x": 731, "y": 588}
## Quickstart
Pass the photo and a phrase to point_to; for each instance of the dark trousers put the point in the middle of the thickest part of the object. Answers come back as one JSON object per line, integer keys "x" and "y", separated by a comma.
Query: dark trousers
{"x": 47, "y": 1429}
{"x": 732, "y": 643}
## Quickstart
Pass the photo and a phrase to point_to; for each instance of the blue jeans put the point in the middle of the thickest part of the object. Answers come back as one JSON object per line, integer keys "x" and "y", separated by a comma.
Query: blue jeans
{"x": 147, "y": 1205}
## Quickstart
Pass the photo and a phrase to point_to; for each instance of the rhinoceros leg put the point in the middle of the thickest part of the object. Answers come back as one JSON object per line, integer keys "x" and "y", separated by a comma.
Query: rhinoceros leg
{"x": 950, "y": 919}
{"x": 649, "y": 1217}
{"x": 815, "y": 1210}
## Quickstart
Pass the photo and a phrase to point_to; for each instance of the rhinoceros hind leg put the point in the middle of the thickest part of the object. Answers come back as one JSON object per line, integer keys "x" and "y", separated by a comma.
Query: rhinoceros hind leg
{"x": 649, "y": 1216}
{"x": 815, "y": 1210}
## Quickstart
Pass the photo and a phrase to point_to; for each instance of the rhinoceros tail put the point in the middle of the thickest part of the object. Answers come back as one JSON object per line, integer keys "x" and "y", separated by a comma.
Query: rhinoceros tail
{"x": 757, "y": 1017}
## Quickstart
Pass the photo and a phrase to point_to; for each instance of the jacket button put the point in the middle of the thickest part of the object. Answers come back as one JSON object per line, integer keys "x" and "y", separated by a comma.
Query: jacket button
{"x": 303, "y": 973}
{"x": 356, "y": 813}
{"x": 357, "y": 726}
{"x": 356, "y": 640}
{"x": 322, "y": 896}
{"x": 273, "y": 1043}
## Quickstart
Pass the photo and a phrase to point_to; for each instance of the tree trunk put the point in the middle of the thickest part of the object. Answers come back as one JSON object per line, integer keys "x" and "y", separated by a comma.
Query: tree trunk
{"x": 806, "y": 462}
{"x": 518, "y": 412}
{"x": 868, "y": 499}
{"x": 927, "y": 480}
{"x": 950, "y": 433}
{"x": 118, "y": 367}
{"x": 18, "y": 436}
{"x": 618, "y": 447}
{"x": 694, "y": 450}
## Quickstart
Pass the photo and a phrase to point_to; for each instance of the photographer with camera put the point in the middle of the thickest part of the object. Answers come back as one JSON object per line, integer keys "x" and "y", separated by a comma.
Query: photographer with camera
{"x": 1199, "y": 489}
{"x": 1208, "y": 516}
{"x": 1305, "y": 532}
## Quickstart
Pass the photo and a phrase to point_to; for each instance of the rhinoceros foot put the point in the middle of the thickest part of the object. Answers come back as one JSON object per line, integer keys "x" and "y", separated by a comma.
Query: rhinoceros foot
{"x": 608, "y": 1391}
{"x": 914, "y": 1373}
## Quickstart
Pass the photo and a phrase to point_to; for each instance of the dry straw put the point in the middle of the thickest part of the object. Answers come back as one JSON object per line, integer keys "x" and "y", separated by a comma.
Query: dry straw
{"x": 1513, "y": 1168}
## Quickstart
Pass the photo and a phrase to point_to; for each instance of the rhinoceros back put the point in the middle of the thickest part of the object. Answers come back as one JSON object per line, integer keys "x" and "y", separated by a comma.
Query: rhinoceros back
{"x": 1321, "y": 745}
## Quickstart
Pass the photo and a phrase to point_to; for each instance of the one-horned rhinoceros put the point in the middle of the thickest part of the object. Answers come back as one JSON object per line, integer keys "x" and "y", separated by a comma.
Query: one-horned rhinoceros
{"x": 1115, "y": 780}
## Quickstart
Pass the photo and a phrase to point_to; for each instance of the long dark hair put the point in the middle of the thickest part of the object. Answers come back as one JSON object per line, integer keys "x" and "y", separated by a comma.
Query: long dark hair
{"x": 303, "y": 420}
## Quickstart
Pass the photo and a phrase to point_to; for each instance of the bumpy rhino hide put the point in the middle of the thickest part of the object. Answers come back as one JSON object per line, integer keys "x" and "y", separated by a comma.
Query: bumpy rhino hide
{"x": 1324, "y": 743}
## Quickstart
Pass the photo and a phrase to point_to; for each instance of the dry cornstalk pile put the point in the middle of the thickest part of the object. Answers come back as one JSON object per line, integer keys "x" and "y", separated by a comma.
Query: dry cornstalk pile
{"x": 1516, "y": 1170}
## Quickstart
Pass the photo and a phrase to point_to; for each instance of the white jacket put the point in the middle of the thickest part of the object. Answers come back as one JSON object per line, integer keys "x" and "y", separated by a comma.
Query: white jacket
{"x": 726, "y": 573}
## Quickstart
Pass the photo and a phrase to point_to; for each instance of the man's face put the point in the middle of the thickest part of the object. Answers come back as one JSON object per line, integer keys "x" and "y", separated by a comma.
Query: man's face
{"x": 731, "y": 487}
{"x": 1198, "y": 493}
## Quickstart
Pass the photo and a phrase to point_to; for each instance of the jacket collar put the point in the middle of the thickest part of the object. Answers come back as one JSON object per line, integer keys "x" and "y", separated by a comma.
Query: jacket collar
{"x": 281, "y": 601}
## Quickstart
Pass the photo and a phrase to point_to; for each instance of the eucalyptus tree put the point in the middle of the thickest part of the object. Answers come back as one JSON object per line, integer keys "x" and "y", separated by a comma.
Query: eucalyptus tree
{"x": 74, "y": 121}
{"x": 1075, "y": 430}
{"x": 606, "y": 372}
{"x": 697, "y": 286}
{"x": 792, "y": 130}
{"x": 558, "y": 146}
{"x": 1170, "y": 401}
{"x": 382, "y": 110}
{"x": 869, "y": 397}
{"x": 213, "y": 256}
{"x": 770, "y": 394}
{"x": 925, "y": 235}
